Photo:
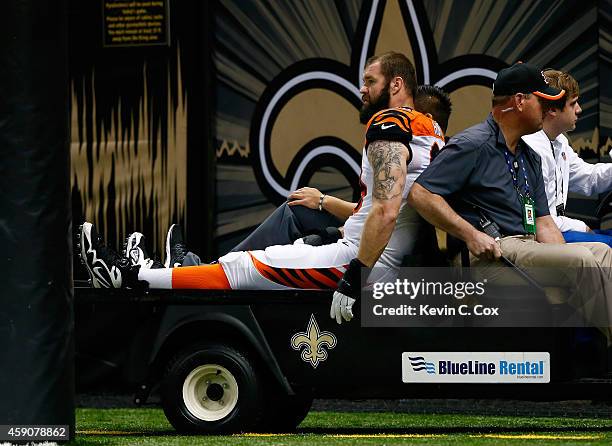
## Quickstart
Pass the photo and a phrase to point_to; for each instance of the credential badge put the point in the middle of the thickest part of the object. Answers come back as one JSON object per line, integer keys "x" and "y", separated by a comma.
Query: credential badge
{"x": 314, "y": 343}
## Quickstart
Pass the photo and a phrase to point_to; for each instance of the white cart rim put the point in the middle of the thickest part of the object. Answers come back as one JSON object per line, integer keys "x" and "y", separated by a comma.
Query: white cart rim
{"x": 198, "y": 386}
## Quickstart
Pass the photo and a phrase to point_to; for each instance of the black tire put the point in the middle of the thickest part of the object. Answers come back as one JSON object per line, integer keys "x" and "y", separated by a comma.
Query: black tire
{"x": 284, "y": 413}
{"x": 212, "y": 388}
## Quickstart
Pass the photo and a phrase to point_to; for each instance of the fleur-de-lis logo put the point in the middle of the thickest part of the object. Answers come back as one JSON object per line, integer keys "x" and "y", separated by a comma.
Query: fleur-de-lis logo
{"x": 313, "y": 341}
{"x": 306, "y": 118}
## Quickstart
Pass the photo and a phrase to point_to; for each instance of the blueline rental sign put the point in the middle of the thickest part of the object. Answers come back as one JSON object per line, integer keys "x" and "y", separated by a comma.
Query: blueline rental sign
{"x": 476, "y": 367}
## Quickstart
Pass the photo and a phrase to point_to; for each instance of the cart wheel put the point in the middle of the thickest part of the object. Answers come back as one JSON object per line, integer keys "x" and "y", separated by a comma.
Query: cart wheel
{"x": 212, "y": 388}
{"x": 284, "y": 412}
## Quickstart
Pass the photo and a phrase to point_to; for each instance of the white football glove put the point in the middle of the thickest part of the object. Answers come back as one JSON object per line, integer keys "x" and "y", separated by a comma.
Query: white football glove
{"x": 341, "y": 307}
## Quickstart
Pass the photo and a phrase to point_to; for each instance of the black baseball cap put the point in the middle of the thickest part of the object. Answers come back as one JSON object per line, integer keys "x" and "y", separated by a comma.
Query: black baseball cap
{"x": 524, "y": 78}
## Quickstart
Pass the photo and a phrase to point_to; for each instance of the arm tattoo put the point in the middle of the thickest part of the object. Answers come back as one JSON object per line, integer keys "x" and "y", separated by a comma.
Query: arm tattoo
{"x": 386, "y": 161}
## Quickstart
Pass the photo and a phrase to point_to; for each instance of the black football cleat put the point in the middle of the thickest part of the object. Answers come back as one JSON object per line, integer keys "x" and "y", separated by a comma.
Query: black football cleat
{"x": 105, "y": 267}
{"x": 136, "y": 253}
{"x": 175, "y": 247}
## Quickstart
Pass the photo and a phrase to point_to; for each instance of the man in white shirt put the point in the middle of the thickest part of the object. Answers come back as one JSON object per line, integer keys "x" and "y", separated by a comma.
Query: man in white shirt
{"x": 563, "y": 170}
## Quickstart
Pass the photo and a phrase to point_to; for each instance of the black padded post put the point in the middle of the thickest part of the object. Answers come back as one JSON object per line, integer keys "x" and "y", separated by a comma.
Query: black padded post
{"x": 36, "y": 308}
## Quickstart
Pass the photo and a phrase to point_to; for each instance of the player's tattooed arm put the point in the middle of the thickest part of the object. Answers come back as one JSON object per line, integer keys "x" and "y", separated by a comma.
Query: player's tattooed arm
{"x": 388, "y": 161}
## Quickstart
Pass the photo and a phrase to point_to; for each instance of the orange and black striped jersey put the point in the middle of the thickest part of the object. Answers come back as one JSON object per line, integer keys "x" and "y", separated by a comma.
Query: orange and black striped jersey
{"x": 401, "y": 124}
{"x": 389, "y": 125}
{"x": 422, "y": 136}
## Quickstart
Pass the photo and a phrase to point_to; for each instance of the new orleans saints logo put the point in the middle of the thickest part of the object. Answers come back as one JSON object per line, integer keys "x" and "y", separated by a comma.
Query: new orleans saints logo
{"x": 313, "y": 341}
{"x": 307, "y": 118}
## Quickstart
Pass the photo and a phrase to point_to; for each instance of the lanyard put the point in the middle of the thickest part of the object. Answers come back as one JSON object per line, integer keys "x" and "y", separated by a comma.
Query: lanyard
{"x": 512, "y": 168}
{"x": 556, "y": 180}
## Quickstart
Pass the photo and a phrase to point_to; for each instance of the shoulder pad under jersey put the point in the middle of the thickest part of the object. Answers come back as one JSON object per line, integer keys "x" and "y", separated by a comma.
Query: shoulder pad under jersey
{"x": 390, "y": 125}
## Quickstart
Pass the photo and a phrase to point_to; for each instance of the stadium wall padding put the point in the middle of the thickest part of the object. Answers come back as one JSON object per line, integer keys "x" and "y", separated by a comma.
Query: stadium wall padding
{"x": 36, "y": 313}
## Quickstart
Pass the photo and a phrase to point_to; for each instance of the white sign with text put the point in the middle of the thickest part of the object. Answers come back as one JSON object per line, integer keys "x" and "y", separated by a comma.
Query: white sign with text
{"x": 476, "y": 367}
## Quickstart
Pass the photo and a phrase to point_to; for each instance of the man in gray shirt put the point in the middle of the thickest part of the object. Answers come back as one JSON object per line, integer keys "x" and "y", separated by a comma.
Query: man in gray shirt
{"x": 487, "y": 170}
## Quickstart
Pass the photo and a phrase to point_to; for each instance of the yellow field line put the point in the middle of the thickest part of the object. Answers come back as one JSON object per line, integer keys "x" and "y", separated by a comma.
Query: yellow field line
{"x": 501, "y": 436}
{"x": 347, "y": 435}
{"x": 256, "y": 434}
{"x": 539, "y": 437}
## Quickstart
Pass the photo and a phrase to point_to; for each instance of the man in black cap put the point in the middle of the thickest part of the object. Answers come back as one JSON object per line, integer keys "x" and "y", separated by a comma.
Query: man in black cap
{"x": 488, "y": 173}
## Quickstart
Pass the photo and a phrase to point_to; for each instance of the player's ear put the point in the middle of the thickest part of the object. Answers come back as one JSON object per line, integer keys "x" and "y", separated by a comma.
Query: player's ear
{"x": 397, "y": 84}
{"x": 518, "y": 100}
{"x": 429, "y": 115}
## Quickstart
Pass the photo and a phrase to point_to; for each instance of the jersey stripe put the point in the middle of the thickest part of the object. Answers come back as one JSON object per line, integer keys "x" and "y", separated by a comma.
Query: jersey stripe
{"x": 327, "y": 272}
{"x": 309, "y": 275}
{"x": 269, "y": 272}
{"x": 300, "y": 283}
{"x": 315, "y": 273}
{"x": 393, "y": 120}
{"x": 306, "y": 279}
{"x": 313, "y": 278}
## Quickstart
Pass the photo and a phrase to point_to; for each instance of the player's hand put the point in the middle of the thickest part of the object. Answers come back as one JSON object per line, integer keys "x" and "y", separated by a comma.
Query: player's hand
{"x": 348, "y": 292}
{"x": 484, "y": 246}
{"x": 305, "y": 196}
{"x": 341, "y": 307}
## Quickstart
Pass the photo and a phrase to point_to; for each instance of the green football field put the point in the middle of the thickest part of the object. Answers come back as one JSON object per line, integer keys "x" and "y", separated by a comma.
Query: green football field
{"x": 147, "y": 426}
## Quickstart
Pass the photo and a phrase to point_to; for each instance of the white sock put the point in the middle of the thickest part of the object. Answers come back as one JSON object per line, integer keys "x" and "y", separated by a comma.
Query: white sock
{"x": 160, "y": 278}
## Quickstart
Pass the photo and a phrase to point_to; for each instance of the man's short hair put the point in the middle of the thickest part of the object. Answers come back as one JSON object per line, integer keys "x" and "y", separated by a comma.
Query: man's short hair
{"x": 499, "y": 100}
{"x": 561, "y": 80}
{"x": 394, "y": 64}
{"x": 435, "y": 101}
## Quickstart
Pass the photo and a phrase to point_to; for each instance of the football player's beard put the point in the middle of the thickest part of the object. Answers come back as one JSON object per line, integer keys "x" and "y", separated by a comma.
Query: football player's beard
{"x": 370, "y": 109}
